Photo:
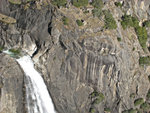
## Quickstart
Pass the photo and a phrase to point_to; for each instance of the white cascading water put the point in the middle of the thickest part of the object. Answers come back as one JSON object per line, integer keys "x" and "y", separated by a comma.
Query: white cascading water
{"x": 37, "y": 96}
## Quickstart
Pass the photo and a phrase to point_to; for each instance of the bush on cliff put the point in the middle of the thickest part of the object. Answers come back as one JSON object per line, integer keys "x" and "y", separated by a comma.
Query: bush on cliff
{"x": 79, "y": 3}
{"x": 110, "y": 22}
{"x": 59, "y": 2}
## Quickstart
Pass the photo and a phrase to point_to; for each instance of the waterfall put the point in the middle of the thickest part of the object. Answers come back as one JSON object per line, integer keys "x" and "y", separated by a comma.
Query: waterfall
{"x": 37, "y": 97}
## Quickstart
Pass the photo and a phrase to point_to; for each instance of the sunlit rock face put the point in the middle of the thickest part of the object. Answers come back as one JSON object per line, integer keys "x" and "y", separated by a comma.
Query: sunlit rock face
{"x": 75, "y": 61}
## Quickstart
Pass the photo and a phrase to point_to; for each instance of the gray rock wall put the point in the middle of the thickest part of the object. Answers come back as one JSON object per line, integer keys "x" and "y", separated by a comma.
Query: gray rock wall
{"x": 76, "y": 61}
{"x": 11, "y": 86}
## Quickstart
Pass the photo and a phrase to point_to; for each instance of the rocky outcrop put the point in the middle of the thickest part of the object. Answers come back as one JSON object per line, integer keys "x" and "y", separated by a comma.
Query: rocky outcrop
{"x": 11, "y": 86}
{"x": 76, "y": 61}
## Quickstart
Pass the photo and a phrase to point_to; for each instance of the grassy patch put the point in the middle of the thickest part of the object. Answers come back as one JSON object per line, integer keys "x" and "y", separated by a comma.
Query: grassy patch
{"x": 138, "y": 101}
{"x": 144, "y": 60}
{"x": 79, "y": 3}
{"x": 145, "y": 106}
{"x": 79, "y": 22}
{"x": 59, "y": 3}
{"x": 110, "y": 22}
{"x": 65, "y": 20}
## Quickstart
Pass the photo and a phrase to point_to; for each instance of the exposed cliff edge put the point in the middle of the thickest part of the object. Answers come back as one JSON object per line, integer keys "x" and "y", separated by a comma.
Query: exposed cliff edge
{"x": 86, "y": 68}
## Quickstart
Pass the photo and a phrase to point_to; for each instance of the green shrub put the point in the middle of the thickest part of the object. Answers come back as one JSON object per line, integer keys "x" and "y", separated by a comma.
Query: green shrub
{"x": 142, "y": 36}
{"x": 59, "y": 3}
{"x": 135, "y": 22}
{"x": 99, "y": 98}
{"x": 118, "y": 4}
{"x": 79, "y": 3}
{"x": 107, "y": 109}
{"x": 146, "y": 23}
{"x": 145, "y": 106}
{"x": 129, "y": 21}
{"x": 92, "y": 110}
{"x": 79, "y": 22}
{"x": 110, "y": 22}
{"x": 144, "y": 60}
{"x": 65, "y": 20}
{"x": 126, "y": 21}
{"x": 138, "y": 101}
{"x": 119, "y": 39}
{"x": 98, "y": 4}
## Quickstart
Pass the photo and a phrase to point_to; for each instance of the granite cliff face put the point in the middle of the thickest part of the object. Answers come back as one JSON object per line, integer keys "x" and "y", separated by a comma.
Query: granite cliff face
{"x": 77, "y": 62}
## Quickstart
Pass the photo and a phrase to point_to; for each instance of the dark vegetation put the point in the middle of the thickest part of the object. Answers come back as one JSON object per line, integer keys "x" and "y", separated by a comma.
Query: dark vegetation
{"x": 79, "y": 3}
{"x": 129, "y": 21}
{"x": 79, "y": 22}
{"x": 65, "y": 20}
{"x": 97, "y": 98}
{"x": 138, "y": 101}
{"x": 148, "y": 95}
{"x": 110, "y": 22}
{"x": 107, "y": 110}
{"x": 92, "y": 110}
{"x": 144, "y": 60}
{"x": 14, "y": 51}
{"x": 145, "y": 106}
{"x": 59, "y": 3}
{"x": 98, "y": 5}
{"x": 146, "y": 23}
{"x": 118, "y": 4}
{"x": 119, "y": 39}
